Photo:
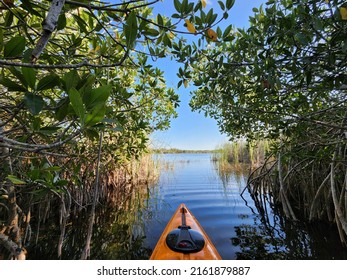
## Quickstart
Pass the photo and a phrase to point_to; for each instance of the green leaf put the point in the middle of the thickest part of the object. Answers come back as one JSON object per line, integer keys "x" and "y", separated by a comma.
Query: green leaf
{"x": 221, "y": 4}
{"x": 184, "y": 7}
{"x": 34, "y": 103}
{"x": 11, "y": 85}
{"x": 177, "y": 5}
{"x": 302, "y": 38}
{"x": 151, "y": 32}
{"x": 61, "y": 22}
{"x": 229, "y": 4}
{"x": 117, "y": 129}
{"x": 227, "y": 31}
{"x": 53, "y": 168}
{"x": 96, "y": 116}
{"x": 61, "y": 183}
{"x": 209, "y": 17}
{"x": 92, "y": 134}
{"x": 29, "y": 76}
{"x": 14, "y": 47}
{"x": 77, "y": 104}
{"x": 48, "y": 82}
{"x": 19, "y": 75}
{"x": 15, "y": 180}
{"x": 130, "y": 29}
{"x": 81, "y": 23}
{"x": 160, "y": 20}
{"x": 49, "y": 130}
{"x": 8, "y": 18}
{"x": 71, "y": 80}
{"x": 97, "y": 96}
{"x": 1, "y": 39}
{"x": 28, "y": 6}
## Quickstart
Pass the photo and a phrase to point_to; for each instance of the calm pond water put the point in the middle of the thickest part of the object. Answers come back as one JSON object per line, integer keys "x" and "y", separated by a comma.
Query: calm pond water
{"x": 239, "y": 226}
{"x": 236, "y": 227}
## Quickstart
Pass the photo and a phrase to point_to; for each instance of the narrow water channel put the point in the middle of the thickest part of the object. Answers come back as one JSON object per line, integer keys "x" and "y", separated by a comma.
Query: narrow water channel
{"x": 234, "y": 224}
{"x": 239, "y": 226}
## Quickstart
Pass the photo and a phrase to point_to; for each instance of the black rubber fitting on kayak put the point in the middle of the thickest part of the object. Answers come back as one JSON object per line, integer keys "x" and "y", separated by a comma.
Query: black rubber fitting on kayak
{"x": 185, "y": 240}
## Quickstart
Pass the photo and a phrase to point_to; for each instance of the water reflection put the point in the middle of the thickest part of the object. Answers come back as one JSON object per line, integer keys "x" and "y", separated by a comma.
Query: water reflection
{"x": 295, "y": 242}
{"x": 240, "y": 226}
{"x": 117, "y": 234}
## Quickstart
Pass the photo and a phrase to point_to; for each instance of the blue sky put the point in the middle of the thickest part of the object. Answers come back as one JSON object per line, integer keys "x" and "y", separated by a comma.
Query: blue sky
{"x": 192, "y": 130}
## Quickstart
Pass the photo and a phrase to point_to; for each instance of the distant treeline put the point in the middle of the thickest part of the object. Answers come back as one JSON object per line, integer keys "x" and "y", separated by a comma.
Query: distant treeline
{"x": 178, "y": 151}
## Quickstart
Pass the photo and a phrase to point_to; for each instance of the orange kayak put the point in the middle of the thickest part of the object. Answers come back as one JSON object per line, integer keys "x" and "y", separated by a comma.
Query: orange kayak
{"x": 184, "y": 239}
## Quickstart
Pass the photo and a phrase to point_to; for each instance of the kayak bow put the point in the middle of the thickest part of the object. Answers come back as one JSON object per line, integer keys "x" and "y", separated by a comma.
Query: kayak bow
{"x": 184, "y": 239}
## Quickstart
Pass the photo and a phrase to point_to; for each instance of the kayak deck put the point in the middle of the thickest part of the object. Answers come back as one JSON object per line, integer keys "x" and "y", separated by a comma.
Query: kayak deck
{"x": 163, "y": 252}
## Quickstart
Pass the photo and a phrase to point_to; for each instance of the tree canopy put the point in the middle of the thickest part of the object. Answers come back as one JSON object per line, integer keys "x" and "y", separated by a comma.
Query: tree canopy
{"x": 284, "y": 79}
{"x": 288, "y": 67}
{"x": 80, "y": 92}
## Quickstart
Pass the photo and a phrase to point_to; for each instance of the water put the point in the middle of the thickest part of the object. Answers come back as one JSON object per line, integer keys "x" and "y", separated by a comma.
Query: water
{"x": 233, "y": 222}
{"x": 241, "y": 227}
{"x": 193, "y": 181}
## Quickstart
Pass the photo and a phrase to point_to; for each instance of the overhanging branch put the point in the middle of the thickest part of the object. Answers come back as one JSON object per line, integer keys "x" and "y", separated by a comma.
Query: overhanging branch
{"x": 48, "y": 25}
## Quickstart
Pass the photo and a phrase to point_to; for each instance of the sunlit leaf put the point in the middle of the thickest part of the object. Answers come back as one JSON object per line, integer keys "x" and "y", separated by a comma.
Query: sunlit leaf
{"x": 131, "y": 29}
{"x": 15, "y": 180}
{"x": 203, "y": 3}
{"x": 343, "y": 13}
{"x": 190, "y": 26}
{"x": 77, "y": 104}
{"x": 53, "y": 168}
{"x": 97, "y": 96}
{"x": 212, "y": 35}
{"x": 96, "y": 116}
{"x": 70, "y": 80}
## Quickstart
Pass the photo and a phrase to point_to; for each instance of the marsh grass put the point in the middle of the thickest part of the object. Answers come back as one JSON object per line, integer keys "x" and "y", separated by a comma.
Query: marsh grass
{"x": 241, "y": 152}
{"x": 120, "y": 184}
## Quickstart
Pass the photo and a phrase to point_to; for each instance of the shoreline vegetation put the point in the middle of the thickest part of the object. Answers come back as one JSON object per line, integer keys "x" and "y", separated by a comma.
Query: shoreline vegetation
{"x": 179, "y": 151}
{"x": 242, "y": 152}
{"x": 237, "y": 152}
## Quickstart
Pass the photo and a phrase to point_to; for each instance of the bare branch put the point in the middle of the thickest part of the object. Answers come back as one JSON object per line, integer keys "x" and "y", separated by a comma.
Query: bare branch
{"x": 48, "y": 25}
{"x": 34, "y": 147}
{"x": 82, "y": 64}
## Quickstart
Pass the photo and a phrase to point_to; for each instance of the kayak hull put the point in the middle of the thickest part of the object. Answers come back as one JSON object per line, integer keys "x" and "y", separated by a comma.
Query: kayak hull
{"x": 162, "y": 250}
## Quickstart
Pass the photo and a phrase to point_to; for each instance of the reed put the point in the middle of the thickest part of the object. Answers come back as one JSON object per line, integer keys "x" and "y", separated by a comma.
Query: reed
{"x": 84, "y": 181}
{"x": 306, "y": 177}
{"x": 242, "y": 152}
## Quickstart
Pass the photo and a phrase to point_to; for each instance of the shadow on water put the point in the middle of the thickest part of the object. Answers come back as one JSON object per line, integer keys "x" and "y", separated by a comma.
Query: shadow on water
{"x": 117, "y": 234}
{"x": 240, "y": 226}
{"x": 295, "y": 242}
{"x": 271, "y": 235}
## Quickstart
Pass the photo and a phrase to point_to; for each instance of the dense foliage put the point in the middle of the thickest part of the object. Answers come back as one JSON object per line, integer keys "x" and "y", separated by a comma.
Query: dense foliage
{"x": 288, "y": 66}
{"x": 79, "y": 97}
{"x": 284, "y": 78}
